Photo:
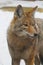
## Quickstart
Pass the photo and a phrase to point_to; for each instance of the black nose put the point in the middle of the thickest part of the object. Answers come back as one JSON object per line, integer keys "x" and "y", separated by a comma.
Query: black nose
{"x": 35, "y": 34}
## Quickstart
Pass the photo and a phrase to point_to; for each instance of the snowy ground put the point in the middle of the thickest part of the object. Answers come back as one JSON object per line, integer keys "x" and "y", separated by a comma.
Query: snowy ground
{"x": 23, "y": 3}
{"x": 5, "y": 18}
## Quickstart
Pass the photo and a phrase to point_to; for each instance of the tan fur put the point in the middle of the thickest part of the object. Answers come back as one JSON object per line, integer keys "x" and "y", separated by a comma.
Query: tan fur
{"x": 20, "y": 36}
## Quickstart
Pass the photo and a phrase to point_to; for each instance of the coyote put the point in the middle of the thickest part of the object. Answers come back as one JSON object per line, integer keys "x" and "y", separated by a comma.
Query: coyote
{"x": 22, "y": 36}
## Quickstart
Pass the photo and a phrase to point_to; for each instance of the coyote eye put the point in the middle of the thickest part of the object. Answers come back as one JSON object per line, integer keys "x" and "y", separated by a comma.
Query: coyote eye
{"x": 26, "y": 24}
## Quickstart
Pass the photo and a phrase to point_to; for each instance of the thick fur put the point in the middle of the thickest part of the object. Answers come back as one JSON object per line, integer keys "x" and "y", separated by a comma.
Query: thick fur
{"x": 39, "y": 57}
{"x": 22, "y": 36}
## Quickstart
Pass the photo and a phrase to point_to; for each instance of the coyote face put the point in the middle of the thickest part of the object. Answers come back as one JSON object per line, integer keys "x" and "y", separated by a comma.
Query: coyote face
{"x": 24, "y": 24}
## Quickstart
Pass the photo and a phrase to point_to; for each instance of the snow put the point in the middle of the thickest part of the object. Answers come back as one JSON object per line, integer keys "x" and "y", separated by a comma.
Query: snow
{"x": 5, "y": 3}
{"x": 5, "y": 18}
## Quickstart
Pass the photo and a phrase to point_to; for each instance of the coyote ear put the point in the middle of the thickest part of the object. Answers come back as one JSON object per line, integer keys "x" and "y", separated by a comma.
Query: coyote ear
{"x": 32, "y": 12}
{"x": 19, "y": 11}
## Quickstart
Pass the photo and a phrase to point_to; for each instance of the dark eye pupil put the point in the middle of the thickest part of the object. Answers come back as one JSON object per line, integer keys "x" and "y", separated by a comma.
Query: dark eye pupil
{"x": 25, "y": 24}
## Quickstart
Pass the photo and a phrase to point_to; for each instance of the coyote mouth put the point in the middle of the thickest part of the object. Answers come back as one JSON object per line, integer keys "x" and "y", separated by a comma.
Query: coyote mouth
{"x": 31, "y": 35}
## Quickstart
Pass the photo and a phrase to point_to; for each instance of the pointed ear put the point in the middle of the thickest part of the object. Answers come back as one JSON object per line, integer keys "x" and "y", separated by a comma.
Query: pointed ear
{"x": 19, "y": 11}
{"x": 32, "y": 12}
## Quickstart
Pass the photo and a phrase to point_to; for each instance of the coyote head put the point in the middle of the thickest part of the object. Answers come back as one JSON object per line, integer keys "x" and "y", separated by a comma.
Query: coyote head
{"x": 24, "y": 23}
